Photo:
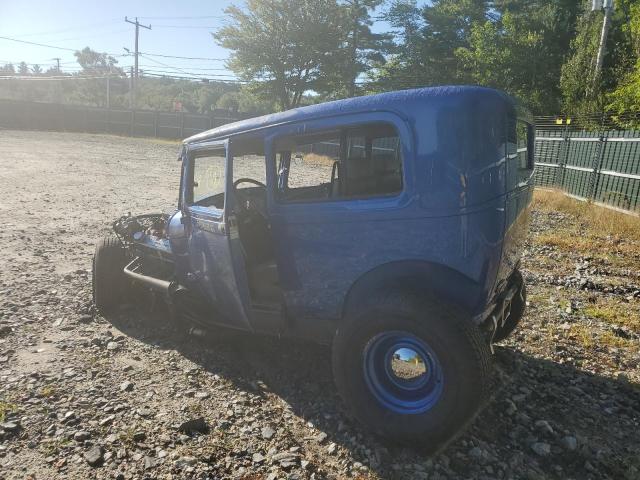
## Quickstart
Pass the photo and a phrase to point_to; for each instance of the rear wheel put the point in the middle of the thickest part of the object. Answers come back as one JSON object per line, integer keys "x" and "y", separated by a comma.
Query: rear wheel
{"x": 518, "y": 306}
{"x": 414, "y": 372}
{"x": 109, "y": 281}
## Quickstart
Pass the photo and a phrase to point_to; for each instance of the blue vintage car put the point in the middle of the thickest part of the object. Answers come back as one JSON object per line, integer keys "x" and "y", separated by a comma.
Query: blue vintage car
{"x": 388, "y": 226}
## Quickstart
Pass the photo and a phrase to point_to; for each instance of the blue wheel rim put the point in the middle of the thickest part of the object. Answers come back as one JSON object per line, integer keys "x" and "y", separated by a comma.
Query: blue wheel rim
{"x": 414, "y": 395}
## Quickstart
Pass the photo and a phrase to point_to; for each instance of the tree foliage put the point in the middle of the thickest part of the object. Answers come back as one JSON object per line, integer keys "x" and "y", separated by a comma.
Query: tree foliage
{"x": 286, "y": 47}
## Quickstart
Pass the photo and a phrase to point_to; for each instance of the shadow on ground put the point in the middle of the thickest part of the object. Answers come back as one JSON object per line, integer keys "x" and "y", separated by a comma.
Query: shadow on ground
{"x": 601, "y": 413}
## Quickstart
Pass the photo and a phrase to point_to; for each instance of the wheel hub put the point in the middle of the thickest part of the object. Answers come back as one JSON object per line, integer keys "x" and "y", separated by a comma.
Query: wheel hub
{"x": 402, "y": 372}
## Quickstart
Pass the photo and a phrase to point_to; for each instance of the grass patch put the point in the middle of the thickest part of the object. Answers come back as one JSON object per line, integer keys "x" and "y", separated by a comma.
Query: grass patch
{"x": 5, "y": 408}
{"x": 624, "y": 314}
{"x": 602, "y": 220}
{"x": 48, "y": 391}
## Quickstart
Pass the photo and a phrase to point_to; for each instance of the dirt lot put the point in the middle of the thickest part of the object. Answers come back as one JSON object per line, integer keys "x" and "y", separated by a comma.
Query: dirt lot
{"x": 77, "y": 389}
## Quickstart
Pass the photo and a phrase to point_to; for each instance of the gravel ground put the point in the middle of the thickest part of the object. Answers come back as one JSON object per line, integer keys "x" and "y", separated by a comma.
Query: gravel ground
{"x": 134, "y": 397}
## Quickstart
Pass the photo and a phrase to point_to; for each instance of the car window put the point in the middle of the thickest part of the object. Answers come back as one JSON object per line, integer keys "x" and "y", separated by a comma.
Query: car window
{"x": 209, "y": 180}
{"x": 352, "y": 163}
{"x": 522, "y": 136}
{"x": 249, "y": 166}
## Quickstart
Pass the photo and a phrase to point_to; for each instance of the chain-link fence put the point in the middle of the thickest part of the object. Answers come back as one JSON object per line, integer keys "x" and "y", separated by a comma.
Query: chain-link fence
{"x": 591, "y": 158}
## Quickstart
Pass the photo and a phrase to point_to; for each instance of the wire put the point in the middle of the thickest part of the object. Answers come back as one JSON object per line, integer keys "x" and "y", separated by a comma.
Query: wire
{"x": 70, "y": 29}
{"x": 183, "y": 18}
{"x": 57, "y": 48}
{"x": 67, "y": 77}
{"x": 183, "y": 58}
{"x": 182, "y": 26}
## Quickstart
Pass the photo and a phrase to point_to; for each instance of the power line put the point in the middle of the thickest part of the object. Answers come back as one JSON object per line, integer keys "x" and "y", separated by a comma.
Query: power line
{"x": 184, "y": 26}
{"x": 53, "y": 46}
{"x": 90, "y": 26}
{"x": 182, "y": 58}
{"x": 183, "y": 18}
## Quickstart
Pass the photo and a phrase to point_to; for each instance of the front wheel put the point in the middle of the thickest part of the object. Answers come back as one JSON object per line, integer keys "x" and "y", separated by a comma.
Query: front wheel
{"x": 413, "y": 371}
{"x": 108, "y": 279}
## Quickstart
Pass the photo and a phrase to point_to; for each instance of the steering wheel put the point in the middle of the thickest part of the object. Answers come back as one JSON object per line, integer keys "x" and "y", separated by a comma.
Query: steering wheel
{"x": 257, "y": 183}
{"x": 248, "y": 180}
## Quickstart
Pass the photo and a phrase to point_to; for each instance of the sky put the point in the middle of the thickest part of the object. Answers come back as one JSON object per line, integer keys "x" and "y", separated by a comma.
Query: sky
{"x": 178, "y": 28}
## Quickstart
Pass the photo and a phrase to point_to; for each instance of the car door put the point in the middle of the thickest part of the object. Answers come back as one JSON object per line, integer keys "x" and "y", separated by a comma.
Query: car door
{"x": 216, "y": 263}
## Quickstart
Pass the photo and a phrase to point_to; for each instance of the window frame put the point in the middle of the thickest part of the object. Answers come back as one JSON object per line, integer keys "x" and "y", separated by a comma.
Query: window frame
{"x": 343, "y": 132}
{"x": 202, "y": 150}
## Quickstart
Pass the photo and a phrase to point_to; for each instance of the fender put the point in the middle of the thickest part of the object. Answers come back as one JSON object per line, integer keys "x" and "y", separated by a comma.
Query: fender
{"x": 417, "y": 276}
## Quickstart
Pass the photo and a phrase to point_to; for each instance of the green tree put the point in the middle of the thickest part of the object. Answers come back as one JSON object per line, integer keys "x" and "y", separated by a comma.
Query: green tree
{"x": 363, "y": 48}
{"x": 96, "y": 63}
{"x": 283, "y": 47}
{"x": 8, "y": 69}
{"x": 520, "y": 48}
{"x": 625, "y": 97}
{"x": 36, "y": 69}
{"x": 429, "y": 38}
{"x": 582, "y": 92}
{"x": 23, "y": 69}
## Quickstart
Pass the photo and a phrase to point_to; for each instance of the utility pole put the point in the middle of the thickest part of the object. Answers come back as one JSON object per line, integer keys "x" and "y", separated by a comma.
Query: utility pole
{"x": 602, "y": 48}
{"x": 57, "y": 59}
{"x": 138, "y": 25}
{"x": 131, "y": 99}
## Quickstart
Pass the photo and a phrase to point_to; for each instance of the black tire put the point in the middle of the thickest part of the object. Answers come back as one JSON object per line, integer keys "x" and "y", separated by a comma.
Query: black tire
{"x": 108, "y": 279}
{"x": 458, "y": 344}
{"x": 518, "y": 306}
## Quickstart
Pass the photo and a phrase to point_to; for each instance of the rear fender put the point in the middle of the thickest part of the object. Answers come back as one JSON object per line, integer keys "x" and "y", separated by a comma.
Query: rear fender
{"x": 417, "y": 277}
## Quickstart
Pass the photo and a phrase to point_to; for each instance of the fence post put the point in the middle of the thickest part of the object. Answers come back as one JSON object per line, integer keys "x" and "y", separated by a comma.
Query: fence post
{"x": 181, "y": 125}
{"x": 155, "y": 124}
{"x": 597, "y": 167}
{"x": 562, "y": 164}
{"x": 132, "y": 122}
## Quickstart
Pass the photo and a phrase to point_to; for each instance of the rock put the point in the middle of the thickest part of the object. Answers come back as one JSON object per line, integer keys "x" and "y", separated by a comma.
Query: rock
{"x": 126, "y": 386}
{"x": 285, "y": 458}
{"x": 12, "y": 427}
{"x": 81, "y": 436}
{"x": 4, "y": 330}
{"x": 150, "y": 462}
{"x": 85, "y": 319}
{"x": 94, "y": 456}
{"x": 570, "y": 443}
{"x": 202, "y": 395}
{"x": 321, "y": 437}
{"x": 197, "y": 425}
{"x": 544, "y": 426}
{"x": 113, "y": 346}
{"x": 139, "y": 436}
{"x": 331, "y": 449}
{"x": 145, "y": 412}
{"x": 258, "y": 458}
{"x": 541, "y": 448}
{"x": 268, "y": 432}
{"x": 186, "y": 461}
{"x": 107, "y": 420}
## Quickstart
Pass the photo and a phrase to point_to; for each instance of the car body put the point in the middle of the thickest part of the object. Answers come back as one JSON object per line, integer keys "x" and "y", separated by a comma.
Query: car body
{"x": 424, "y": 191}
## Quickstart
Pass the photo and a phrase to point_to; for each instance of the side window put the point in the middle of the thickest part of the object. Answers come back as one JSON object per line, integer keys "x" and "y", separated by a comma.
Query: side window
{"x": 352, "y": 163}
{"x": 208, "y": 180}
{"x": 523, "y": 142}
{"x": 249, "y": 166}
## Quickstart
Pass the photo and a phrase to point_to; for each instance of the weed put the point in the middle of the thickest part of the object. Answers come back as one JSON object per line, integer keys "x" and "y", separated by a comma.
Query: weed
{"x": 5, "y": 408}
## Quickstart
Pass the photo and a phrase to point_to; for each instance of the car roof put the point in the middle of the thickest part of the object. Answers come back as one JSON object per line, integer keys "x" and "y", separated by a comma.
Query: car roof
{"x": 407, "y": 102}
